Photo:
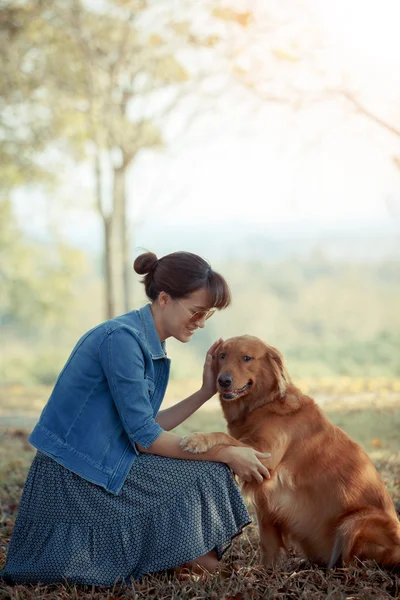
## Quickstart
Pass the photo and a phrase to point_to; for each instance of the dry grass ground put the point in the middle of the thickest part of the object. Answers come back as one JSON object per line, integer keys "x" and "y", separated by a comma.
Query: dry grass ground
{"x": 372, "y": 418}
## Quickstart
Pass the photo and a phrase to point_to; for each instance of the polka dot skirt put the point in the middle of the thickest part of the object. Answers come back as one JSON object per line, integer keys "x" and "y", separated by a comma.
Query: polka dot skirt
{"x": 169, "y": 511}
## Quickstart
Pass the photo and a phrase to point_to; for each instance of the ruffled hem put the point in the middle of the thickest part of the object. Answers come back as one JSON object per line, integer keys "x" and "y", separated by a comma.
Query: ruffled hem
{"x": 230, "y": 526}
{"x": 112, "y": 553}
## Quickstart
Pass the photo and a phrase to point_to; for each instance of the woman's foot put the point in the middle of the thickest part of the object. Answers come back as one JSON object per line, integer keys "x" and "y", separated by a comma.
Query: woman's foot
{"x": 208, "y": 562}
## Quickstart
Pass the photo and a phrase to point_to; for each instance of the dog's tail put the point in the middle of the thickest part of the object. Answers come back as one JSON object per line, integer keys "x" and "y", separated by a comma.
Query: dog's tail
{"x": 369, "y": 534}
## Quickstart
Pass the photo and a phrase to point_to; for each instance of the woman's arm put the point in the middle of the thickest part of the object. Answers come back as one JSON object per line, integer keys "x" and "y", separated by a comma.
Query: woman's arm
{"x": 245, "y": 462}
{"x": 175, "y": 415}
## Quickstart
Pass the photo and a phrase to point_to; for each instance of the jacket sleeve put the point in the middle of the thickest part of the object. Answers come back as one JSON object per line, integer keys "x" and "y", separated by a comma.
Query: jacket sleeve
{"x": 123, "y": 362}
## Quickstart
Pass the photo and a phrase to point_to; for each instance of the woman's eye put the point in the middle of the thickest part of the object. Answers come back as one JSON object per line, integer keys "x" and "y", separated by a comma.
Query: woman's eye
{"x": 247, "y": 358}
{"x": 222, "y": 355}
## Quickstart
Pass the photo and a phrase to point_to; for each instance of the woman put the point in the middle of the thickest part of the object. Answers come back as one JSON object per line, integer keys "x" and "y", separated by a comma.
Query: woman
{"x": 111, "y": 495}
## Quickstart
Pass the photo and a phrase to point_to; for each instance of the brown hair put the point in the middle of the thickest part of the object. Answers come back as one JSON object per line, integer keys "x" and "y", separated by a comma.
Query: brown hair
{"x": 180, "y": 274}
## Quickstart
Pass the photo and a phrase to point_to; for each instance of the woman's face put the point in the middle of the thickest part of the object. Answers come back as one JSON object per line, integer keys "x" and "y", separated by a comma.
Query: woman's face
{"x": 180, "y": 319}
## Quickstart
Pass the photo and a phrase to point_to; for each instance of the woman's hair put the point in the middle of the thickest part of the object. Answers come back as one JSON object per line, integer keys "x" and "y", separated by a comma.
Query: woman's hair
{"x": 180, "y": 274}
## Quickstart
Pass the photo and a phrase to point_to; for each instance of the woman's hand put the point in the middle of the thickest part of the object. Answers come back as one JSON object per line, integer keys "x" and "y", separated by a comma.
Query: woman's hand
{"x": 209, "y": 386}
{"x": 245, "y": 462}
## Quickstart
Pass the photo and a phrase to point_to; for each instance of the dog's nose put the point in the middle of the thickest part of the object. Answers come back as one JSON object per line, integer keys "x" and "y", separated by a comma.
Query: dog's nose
{"x": 225, "y": 380}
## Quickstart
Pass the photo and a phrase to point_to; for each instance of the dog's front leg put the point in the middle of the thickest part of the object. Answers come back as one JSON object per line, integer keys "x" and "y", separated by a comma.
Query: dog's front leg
{"x": 271, "y": 540}
{"x": 203, "y": 442}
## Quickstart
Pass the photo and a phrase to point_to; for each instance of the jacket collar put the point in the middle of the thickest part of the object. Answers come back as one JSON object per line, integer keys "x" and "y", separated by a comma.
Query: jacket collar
{"x": 156, "y": 347}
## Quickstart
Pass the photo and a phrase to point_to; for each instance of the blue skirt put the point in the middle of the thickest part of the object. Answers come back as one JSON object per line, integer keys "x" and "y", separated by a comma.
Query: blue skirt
{"x": 169, "y": 512}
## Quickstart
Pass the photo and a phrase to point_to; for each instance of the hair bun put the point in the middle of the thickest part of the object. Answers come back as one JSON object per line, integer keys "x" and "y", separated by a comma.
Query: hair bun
{"x": 144, "y": 263}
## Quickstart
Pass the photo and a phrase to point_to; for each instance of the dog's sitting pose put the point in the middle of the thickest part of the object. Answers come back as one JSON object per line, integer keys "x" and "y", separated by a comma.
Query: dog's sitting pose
{"x": 324, "y": 494}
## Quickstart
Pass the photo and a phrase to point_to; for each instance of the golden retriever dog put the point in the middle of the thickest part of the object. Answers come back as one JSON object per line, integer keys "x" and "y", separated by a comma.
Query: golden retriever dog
{"x": 324, "y": 494}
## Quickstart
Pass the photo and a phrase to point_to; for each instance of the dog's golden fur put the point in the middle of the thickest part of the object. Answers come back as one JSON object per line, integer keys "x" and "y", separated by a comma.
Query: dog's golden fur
{"x": 324, "y": 494}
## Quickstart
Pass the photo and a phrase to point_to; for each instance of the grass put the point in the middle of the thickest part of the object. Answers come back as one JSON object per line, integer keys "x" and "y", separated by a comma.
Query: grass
{"x": 375, "y": 426}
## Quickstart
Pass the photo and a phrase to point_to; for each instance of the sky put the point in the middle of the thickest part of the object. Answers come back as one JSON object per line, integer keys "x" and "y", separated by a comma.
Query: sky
{"x": 323, "y": 167}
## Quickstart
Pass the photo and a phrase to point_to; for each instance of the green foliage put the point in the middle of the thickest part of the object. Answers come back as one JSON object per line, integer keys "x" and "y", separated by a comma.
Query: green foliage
{"x": 98, "y": 82}
{"x": 82, "y": 104}
{"x": 26, "y": 124}
{"x": 110, "y": 63}
{"x": 38, "y": 280}
{"x": 32, "y": 362}
{"x": 327, "y": 317}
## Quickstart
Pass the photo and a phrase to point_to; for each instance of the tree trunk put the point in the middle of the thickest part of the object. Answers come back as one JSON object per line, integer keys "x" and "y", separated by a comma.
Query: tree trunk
{"x": 107, "y": 267}
{"x": 115, "y": 248}
{"x": 128, "y": 268}
{"x": 117, "y": 264}
{"x": 107, "y": 233}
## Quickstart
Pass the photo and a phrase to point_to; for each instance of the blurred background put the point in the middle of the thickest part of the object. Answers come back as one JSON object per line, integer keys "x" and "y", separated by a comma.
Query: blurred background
{"x": 263, "y": 135}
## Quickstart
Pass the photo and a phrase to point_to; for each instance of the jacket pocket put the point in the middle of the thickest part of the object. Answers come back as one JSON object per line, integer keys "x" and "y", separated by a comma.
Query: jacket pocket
{"x": 114, "y": 434}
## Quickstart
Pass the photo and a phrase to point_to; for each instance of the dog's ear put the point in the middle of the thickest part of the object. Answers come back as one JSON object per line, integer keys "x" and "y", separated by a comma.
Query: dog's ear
{"x": 215, "y": 357}
{"x": 275, "y": 359}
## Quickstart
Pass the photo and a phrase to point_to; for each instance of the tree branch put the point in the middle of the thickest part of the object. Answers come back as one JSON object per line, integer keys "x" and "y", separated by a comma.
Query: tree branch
{"x": 366, "y": 112}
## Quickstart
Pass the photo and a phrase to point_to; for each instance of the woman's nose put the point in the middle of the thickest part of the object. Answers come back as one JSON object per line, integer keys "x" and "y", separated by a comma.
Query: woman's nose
{"x": 201, "y": 322}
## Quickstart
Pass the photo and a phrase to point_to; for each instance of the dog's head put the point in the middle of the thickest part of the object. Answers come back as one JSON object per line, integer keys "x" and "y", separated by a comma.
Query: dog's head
{"x": 247, "y": 366}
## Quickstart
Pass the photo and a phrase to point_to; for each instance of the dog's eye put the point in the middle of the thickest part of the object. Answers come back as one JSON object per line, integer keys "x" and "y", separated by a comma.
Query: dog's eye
{"x": 247, "y": 358}
{"x": 222, "y": 355}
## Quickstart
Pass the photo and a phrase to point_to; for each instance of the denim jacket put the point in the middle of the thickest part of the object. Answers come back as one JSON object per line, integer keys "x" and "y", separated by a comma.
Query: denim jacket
{"x": 106, "y": 399}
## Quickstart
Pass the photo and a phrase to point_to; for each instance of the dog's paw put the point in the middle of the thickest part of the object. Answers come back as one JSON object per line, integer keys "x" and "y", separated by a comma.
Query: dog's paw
{"x": 196, "y": 443}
